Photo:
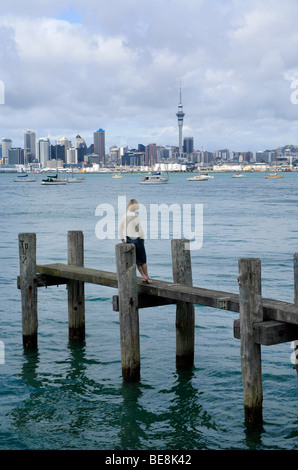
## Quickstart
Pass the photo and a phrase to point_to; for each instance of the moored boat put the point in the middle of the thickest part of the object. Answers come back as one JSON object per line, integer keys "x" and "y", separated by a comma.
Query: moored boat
{"x": 24, "y": 179}
{"x": 74, "y": 180}
{"x": 53, "y": 181}
{"x": 274, "y": 175}
{"x": 198, "y": 178}
{"x": 155, "y": 178}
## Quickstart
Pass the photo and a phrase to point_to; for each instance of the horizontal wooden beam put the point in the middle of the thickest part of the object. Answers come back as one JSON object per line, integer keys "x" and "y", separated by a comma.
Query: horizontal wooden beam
{"x": 77, "y": 273}
{"x": 145, "y": 301}
{"x": 43, "y": 280}
{"x": 168, "y": 290}
{"x": 272, "y": 309}
{"x": 270, "y": 332}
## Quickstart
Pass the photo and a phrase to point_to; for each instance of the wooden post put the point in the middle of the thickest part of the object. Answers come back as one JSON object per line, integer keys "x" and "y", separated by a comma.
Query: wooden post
{"x": 250, "y": 304}
{"x": 185, "y": 312}
{"x": 76, "y": 289}
{"x": 296, "y": 302}
{"x": 128, "y": 311}
{"x": 28, "y": 285}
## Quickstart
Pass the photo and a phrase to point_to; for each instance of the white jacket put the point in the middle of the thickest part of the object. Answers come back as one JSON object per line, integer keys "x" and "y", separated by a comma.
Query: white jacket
{"x": 130, "y": 226}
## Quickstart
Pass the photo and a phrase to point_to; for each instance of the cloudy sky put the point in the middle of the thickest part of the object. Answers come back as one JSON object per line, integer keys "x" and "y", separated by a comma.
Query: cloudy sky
{"x": 71, "y": 67}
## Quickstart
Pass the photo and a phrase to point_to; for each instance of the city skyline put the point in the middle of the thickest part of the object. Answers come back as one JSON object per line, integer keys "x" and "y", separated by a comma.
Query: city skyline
{"x": 63, "y": 152}
{"x": 71, "y": 67}
{"x": 98, "y": 141}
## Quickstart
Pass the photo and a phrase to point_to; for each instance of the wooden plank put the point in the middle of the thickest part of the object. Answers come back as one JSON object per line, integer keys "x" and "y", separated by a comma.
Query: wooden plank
{"x": 165, "y": 289}
{"x": 128, "y": 311}
{"x": 76, "y": 291}
{"x": 269, "y": 332}
{"x": 251, "y": 312}
{"x": 76, "y": 273}
{"x": 185, "y": 312}
{"x": 27, "y": 255}
{"x": 272, "y": 309}
{"x": 280, "y": 311}
{"x": 145, "y": 301}
{"x": 42, "y": 280}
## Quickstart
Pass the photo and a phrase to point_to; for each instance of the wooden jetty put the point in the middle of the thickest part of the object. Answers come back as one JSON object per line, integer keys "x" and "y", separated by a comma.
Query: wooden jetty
{"x": 261, "y": 321}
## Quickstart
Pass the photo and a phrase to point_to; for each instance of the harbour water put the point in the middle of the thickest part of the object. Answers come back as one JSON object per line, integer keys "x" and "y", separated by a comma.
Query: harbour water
{"x": 67, "y": 396}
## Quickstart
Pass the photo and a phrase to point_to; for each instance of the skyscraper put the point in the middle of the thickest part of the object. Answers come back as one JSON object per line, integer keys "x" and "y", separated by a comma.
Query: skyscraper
{"x": 99, "y": 144}
{"x": 6, "y": 145}
{"x": 150, "y": 154}
{"x": 71, "y": 156}
{"x": 15, "y": 156}
{"x": 29, "y": 142}
{"x": 66, "y": 144}
{"x": 180, "y": 115}
{"x": 188, "y": 144}
{"x": 43, "y": 153}
{"x": 81, "y": 148}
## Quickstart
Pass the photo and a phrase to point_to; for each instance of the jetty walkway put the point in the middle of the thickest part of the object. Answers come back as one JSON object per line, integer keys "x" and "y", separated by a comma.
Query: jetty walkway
{"x": 261, "y": 321}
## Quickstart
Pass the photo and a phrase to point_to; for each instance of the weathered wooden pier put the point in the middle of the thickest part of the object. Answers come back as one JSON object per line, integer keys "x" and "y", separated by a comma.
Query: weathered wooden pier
{"x": 261, "y": 321}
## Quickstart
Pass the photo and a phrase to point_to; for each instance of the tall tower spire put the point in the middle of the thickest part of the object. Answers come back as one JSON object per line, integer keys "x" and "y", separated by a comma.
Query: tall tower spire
{"x": 180, "y": 115}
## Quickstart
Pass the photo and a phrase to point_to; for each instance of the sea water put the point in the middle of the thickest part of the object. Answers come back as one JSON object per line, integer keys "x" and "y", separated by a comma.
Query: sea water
{"x": 72, "y": 396}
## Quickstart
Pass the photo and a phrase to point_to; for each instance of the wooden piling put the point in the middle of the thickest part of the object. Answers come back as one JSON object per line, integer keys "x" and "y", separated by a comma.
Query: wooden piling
{"x": 128, "y": 311}
{"x": 251, "y": 311}
{"x": 185, "y": 312}
{"x": 28, "y": 285}
{"x": 76, "y": 289}
{"x": 296, "y": 303}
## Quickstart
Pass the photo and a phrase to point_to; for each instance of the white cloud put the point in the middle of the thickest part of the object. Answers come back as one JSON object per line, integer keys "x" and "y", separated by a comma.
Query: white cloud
{"x": 70, "y": 67}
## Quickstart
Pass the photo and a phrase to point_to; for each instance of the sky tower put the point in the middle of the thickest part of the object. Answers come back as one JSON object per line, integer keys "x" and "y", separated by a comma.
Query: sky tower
{"x": 180, "y": 116}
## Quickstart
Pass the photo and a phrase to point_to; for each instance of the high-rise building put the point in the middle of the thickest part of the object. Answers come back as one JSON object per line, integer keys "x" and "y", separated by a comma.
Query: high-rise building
{"x": 180, "y": 115}
{"x": 66, "y": 142}
{"x": 6, "y": 145}
{"x": 99, "y": 144}
{"x": 58, "y": 152}
{"x": 188, "y": 144}
{"x": 15, "y": 156}
{"x": 71, "y": 156}
{"x": 114, "y": 153}
{"x": 43, "y": 150}
{"x": 79, "y": 141}
{"x": 67, "y": 145}
{"x": 150, "y": 154}
{"x": 163, "y": 154}
{"x": 81, "y": 149}
{"x": 29, "y": 143}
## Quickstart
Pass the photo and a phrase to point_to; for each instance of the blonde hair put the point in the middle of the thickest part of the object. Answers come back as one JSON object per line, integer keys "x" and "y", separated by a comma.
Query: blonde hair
{"x": 133, "y": 205}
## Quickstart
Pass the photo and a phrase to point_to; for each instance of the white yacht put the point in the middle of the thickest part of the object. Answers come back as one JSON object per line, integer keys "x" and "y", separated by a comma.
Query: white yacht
{"x": 53, "y": 181}
{"x": 198, "y": 178}
{"x": 155, "y": 178}
{"x": 24, "y": 179}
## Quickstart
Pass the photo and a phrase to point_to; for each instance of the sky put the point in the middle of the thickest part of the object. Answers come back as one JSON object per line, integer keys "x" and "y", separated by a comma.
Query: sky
{"x": 72, "y": 67}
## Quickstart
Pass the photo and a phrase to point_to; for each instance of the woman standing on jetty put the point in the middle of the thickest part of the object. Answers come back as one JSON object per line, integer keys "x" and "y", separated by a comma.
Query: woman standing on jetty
{"x": 130, "y": 226}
